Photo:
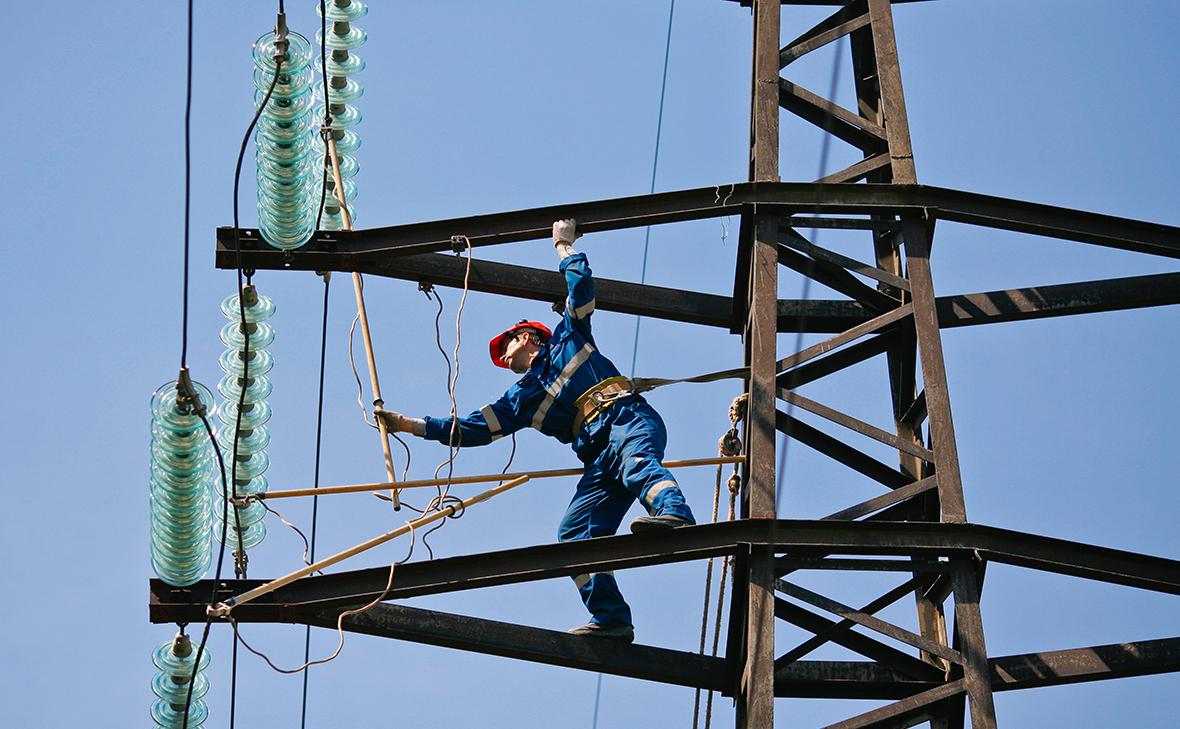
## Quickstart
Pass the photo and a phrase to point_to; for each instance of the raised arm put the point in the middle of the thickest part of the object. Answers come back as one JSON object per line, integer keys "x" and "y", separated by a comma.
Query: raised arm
{"x": 579, "y": 303}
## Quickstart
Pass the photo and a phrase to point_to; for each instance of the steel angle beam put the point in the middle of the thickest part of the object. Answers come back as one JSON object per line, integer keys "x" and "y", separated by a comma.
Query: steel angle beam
{"x": 1051, "y": 221}
{"x": 994, "y": 307}
{"x": 339, "y": 251}
{"x": 845, "y": 680}
{"x": 1038, "y": 302}
{"x": 816, "y": 316}
{"x": 550, "y": 286}
{"x": 864, "y": 679}
{"x": 852, "y": 16}
{"x": 802, "y": 537}
{"x": 522, "y": 642}
{"x": 1096, "y": 663}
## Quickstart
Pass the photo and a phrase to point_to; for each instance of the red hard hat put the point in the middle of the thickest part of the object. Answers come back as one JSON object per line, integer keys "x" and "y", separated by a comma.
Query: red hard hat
{"x": 496, "y": 346}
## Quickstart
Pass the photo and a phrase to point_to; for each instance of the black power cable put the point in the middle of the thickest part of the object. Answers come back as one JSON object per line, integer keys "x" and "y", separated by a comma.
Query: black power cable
{"x": 319, "y": 429}
{"x": 188, "y": 108}
{"x": 225, "y": 488}
{"x": 326, "y": 130}
{"x": 319, "y": 423}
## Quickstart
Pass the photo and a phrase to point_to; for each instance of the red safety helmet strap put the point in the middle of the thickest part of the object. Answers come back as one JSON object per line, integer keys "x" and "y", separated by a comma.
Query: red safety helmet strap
{"x": 496, "y": 346}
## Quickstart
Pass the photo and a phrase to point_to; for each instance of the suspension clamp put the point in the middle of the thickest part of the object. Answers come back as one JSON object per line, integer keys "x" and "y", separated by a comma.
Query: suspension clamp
{"x": 460, "y": 243}
{"x": 281, "y": 43}
{"x": 187, "y": 400}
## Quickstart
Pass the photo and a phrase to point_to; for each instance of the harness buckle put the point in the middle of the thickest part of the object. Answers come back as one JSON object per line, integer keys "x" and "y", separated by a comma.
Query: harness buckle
{"x": 605, "y": 398}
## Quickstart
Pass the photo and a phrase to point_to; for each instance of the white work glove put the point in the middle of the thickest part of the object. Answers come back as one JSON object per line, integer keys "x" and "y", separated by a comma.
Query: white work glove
{"x": 398, "y": 423}
{"x": 565, "y": 232}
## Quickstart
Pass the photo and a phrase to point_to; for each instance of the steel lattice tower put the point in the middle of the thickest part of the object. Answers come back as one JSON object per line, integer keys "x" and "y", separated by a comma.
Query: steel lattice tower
{"x": 918, "y": 527}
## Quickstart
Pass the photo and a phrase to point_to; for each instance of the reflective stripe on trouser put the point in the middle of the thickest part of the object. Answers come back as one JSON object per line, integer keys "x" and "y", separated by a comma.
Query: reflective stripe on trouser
{"x": 627, "y": 469}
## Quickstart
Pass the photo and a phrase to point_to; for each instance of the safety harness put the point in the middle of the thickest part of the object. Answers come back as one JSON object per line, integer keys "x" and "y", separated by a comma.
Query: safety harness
{"x": 598, "y": 398}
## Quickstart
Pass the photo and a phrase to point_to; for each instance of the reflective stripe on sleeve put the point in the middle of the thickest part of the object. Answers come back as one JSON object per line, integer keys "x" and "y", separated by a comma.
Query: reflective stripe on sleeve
{"x": 489, "y": 415}
{"x": 582, "y": 311}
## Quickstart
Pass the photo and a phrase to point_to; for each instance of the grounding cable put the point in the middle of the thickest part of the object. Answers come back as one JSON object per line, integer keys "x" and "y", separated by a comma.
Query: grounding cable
{"x": 454, "y": 439}
{"x": 339, "y": 621}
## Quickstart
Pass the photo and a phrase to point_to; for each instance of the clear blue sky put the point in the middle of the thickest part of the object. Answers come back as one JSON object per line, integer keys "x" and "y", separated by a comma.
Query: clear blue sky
{"x": 1065, "y": 427}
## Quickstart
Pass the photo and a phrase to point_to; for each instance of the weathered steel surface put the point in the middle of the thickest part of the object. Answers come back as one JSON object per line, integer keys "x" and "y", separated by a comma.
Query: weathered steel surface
{"x": 756, "y": 688}
{"x": 531, "y": 644}
{"x": 840, "y": 451}
{"x": 334, "y": 251}
{"x": 910, "y": 711}
{"x": 800, "y": 537}
{"x": 817, "y": 316}
{"x": 835, "y": 278}
{"x": 837, "y": 632}
{"x": 855, "y": 424}
{"x": 845, "y": 680}
{"x": 971, "y": 643}
{"x": 1095, "y": 663}
{"x": 867, "y": 620}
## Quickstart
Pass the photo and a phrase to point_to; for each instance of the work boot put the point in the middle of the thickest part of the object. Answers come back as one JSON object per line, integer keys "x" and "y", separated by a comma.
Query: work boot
{"x": 641, "y": 524}
{"x": 618, "y": 631}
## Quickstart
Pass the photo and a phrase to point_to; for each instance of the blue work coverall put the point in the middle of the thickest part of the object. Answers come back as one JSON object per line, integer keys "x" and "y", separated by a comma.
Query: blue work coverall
{"x": 621, "y": 446}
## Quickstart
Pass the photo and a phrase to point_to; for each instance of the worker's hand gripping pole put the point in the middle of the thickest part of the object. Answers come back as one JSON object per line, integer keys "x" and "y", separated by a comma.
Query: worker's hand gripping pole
{"x": 359, "y": 289}
{"x": 224, "y": 608}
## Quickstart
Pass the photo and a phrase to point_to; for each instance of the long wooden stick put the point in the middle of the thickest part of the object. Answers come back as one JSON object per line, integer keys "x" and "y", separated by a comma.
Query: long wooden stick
{"x": 449, "y": 510}
{"x": 486, "y": 478}
{"x": 358, "y": 289}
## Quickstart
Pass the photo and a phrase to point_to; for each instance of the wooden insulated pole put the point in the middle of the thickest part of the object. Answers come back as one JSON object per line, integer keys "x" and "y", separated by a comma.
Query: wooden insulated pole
{"x": 449, "y": 510}
{"x": 485, "y": 478}
{"x": 358, "y": 288}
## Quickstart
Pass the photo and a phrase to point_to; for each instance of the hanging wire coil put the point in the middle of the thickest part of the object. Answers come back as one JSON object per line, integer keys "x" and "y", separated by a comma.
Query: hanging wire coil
{"x": 174, "y": 661}
{"x": 181, "y": 466}
{"x": 285, "y": 143}
{"x": 343, "y": 38}
{"x": 252, "y": 435}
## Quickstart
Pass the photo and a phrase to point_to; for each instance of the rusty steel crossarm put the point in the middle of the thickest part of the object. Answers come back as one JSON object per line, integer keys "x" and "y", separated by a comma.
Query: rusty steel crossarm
{"x": 340, "y": 251}
{"x": 344, "y": 251}
{"x": 527, "y": 643}
{"x": 1051, "y": 221}
{"x": 1038, "y": 302}
{"x": 800, "y": 537}
{"x": 818, "y": 316}
{"x": 845, "y": 680}
{"x": 865, "y": 680}
{"x": 1095, "y": 663}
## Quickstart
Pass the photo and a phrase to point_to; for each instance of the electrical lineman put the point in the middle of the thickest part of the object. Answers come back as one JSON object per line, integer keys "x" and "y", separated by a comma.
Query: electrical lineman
{"x": 571, "y": 392}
